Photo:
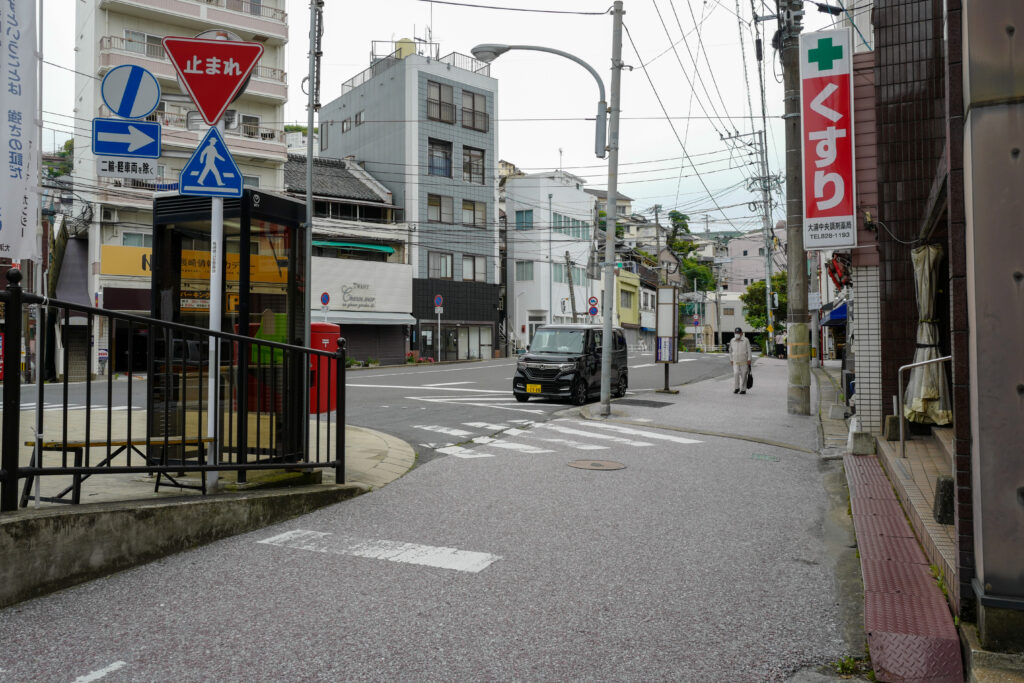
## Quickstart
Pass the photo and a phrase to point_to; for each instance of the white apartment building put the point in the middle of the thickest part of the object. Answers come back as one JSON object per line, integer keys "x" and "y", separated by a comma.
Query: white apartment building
{"x": 746, "y": 259}
{"x": 115, "y": 32}
{"x": 549, "y": 215}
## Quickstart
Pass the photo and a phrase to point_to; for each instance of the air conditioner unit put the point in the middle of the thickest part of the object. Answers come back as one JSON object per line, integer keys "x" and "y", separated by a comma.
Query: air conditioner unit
{"x": 109, "y": 215}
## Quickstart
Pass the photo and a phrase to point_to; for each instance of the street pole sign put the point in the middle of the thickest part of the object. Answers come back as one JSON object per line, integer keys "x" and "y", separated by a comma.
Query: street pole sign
{"x": 666, "y": 325}
{"x": 125, "y": 138}
{"x": 125, "y": 167}
{"x": 130, "y": 91}
{"x": 212, "y": 71}
{"x": 211, "y": 172}
{"x": 826, "y": 102}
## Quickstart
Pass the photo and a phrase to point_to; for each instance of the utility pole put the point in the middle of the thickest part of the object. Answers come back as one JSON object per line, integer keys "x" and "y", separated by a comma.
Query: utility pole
{"x": 662, "y": 278}
{"x": 798, "y": 363}
{"x": 572, "y": 292}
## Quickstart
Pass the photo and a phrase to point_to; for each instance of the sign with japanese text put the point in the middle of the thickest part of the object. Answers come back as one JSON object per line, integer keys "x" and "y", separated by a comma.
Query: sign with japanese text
{"x": 125, "y": 167}
{"x": 212, "y": 71}
{"x": 19, "y": 134}
{"x": 666, "y": 326}
{"x": 826, "y": 102}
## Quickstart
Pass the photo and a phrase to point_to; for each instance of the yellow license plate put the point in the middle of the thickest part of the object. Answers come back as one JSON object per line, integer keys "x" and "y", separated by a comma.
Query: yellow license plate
{"x": 533, "y": 388}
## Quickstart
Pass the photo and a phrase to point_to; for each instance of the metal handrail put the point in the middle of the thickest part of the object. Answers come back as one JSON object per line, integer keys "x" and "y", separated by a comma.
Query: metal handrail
{"x": 899, "y": 382}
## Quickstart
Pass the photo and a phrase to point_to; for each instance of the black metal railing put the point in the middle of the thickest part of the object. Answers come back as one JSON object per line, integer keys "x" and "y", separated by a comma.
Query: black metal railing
{"x": 165, "y": 423}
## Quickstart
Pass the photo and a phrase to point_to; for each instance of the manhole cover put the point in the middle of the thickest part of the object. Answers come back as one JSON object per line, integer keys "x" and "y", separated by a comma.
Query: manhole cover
{"x": 642, "y": 402}
{"x": 597, "y": 465}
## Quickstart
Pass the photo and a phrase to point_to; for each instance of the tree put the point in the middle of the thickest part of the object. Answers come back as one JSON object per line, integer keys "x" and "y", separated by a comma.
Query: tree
{"x": 754, "y": 302}
{"x": 620, "y": 229}
{"x": 680, "y": 225}
{"x": 697, "y": 272}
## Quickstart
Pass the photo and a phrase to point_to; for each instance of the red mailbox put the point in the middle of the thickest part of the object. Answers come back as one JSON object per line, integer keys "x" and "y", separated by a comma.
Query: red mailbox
{"x": 323, "y": 390}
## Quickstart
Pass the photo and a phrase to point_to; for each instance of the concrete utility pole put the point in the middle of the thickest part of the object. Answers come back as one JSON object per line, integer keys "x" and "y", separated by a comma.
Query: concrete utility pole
{"x": 799, "y": 392}
{"x": 662, "y": 278}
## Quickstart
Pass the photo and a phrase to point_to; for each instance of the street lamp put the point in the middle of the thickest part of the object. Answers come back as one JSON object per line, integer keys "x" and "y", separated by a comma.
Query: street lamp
{"x": 488, "y": 52}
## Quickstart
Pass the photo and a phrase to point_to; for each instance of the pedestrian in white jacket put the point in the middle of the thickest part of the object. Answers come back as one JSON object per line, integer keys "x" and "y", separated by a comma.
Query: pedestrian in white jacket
{"x": 739, "y": 355}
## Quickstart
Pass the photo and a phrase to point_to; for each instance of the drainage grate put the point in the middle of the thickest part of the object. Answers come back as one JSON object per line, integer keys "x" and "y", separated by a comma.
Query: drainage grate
{"x": 597, "y": 465}
{"x": 642, "y": 402}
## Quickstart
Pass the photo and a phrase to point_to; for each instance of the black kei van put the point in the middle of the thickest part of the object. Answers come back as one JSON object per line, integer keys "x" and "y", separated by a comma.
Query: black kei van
{"x": 564, "y": 362}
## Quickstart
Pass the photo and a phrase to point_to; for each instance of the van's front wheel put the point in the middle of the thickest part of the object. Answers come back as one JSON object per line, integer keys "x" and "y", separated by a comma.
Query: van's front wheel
{"x": 578, "y": 396}
{"x": 620, "y": 387}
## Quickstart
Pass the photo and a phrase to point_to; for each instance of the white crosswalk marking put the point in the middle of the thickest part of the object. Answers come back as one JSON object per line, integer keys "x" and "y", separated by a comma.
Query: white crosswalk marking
{"x": 451, "y": 431}
{"x": 393, "y": 551}
{"x": 636, "y": 432}
{"x": 593, "y": 435}
{"x": 460, "y": 452}
{"x": 525, "y": 448}
{"x": 485, "y": 425}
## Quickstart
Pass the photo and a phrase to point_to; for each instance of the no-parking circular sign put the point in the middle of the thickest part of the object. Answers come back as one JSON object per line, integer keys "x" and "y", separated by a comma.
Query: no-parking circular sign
{"x": 325, "y": 299}
{"x": 438, "y": 300}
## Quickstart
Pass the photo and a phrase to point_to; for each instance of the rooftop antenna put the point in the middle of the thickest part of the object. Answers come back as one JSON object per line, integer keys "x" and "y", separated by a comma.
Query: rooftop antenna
{"x": 559, "y": 158}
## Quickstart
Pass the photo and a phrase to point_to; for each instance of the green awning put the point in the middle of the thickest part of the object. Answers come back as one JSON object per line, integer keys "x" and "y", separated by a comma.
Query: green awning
{"x": 354, "y": 245}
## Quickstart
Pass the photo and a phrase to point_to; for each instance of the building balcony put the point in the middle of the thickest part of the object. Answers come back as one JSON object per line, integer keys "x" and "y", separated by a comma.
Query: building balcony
{"x": 266, "y": 83}
{"x": 247, "y": 140}
{"x": 256, "y": 20}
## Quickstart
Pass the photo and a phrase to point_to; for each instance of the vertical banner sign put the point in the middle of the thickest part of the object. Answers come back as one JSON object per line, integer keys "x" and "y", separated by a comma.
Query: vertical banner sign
{"x": 667, "y": 326}
{"x": 19, "y": 198}
{"x": 826, "y": 103}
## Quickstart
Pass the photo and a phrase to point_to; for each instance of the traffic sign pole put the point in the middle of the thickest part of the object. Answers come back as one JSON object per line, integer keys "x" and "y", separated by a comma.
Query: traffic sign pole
{"x": 216, "y": 313}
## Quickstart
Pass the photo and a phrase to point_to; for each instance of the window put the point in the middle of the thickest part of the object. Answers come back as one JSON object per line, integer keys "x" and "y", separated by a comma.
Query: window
{"x": 439, "y": 265}
{"x": 359, "y": 119}
{"x": 440, "y": 102}
{"x": 439, "y": 209}
{"x": 144, "y": 44}
{"x": 524, "y": 271}
{"x": 760, "y": 252}
{"x": 250, "y": 180}
{"x": 625, "y": 299}
{"x": 744, "y": 252}
{"x": 250, "y": 126}
{"x": 559, "y": 274}
{"x": 474, "y": 111}
{"x": 524, "y": 219}
{"x": 136, "y": 239}
{"x": 728, "y": 311}
{"x": 745, "y": 279}
{"x": 474, "y": 213}
{"x": 323, "y": 135}
{"x": 474, "y": 268}
{"x": 573, "y": 227}
{"x": 439, "y": 158}
{"x": 346, "y": 125}
{"x": 473, "y": 165}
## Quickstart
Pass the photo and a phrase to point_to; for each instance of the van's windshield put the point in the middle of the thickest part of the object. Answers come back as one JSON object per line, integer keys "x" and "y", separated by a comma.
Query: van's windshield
{"x": 558, "y": 341}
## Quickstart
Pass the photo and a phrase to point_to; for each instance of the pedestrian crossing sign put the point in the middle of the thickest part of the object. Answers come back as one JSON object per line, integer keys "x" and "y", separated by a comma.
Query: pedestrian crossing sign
{"x": 211, "y": 172}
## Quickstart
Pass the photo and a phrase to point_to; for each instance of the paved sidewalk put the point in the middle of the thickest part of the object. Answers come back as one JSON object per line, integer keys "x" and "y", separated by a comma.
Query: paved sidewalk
{"x": 710, "y": 408}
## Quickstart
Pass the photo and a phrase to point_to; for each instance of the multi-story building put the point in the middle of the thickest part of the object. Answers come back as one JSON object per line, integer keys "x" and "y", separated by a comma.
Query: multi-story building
{"x": 115, "y": 32}
{"x": 360, "y": 257}
{"x": 550, "y": 219}
{"x": 745, "y": 259}
{"x": 411, "y": 117}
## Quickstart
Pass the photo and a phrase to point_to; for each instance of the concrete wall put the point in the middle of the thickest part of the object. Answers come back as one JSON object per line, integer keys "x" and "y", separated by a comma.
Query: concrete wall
{"x": 48, "y": 550}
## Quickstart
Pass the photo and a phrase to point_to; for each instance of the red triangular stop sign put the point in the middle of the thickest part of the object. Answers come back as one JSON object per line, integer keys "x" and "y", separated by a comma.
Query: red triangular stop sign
{"x": 212, "y": 71}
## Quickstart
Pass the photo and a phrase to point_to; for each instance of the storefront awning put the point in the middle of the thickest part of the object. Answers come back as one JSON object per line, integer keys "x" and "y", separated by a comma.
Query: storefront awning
{"x": 364, "y": 318}
{"x": 358, "y": 246}
{"x": 837, "y": 316}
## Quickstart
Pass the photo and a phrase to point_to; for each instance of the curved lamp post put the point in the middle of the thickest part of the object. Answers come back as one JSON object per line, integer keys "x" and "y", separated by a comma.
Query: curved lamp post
{"x": 488, "y": 52}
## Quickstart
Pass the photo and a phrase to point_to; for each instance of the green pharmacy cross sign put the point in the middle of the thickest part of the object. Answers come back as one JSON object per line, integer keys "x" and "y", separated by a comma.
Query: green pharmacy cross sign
{"x": 825, "y": 54}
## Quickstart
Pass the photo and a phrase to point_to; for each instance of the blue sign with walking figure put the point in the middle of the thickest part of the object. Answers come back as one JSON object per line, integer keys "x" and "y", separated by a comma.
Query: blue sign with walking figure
{"x": 211, "y": 172}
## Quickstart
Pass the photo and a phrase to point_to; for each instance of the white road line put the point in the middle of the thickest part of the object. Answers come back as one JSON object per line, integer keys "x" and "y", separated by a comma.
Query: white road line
{"x": 451, "y": 431}
{"x": 512, "y": 446}
{"x": 455, "y": 399}
{"x": 514, "y": 432}
{"x": 100, "y": 673}
{"x": 636, "y": 432}
{"x": 428, "y": 372}
{"x": 642, "y": 419}
{"x": 422, "y": 386}
{"x": 577, "y": 445}
{"x": 393, "y": 551}
{"x": 460, "y": 452}
{"x": 644, "y": 365}
{"x": 485, "y": 425}
{"x": 592, "y": 435}
{"x": 445, "y": 384}
{"x": 480, "y": 405}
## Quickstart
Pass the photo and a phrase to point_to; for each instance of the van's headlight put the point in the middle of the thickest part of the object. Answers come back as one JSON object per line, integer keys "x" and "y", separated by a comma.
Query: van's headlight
{"x": 567, "y": 366}
{"x": 521, "y": 366}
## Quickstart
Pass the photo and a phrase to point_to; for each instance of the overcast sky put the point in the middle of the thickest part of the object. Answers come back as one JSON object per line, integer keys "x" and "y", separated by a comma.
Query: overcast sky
{"x": 546, "y": 103}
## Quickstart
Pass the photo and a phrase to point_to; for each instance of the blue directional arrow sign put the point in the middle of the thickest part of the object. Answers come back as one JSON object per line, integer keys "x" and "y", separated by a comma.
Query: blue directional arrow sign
{"x": 211, "y": 172}
{"x": 122, "y": 138}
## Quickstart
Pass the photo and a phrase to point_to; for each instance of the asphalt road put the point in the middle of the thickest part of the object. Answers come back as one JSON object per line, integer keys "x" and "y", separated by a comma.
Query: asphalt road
{"x": 427, "y": 405}
{"x": 697, "y": 561}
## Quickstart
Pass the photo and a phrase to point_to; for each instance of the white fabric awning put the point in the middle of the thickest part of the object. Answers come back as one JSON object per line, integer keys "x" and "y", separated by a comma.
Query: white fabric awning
{"x": 363, "y": 318}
